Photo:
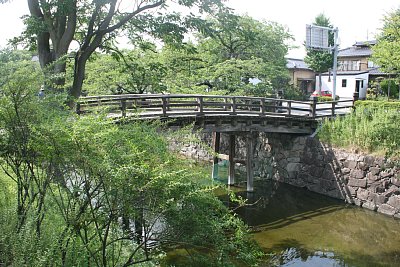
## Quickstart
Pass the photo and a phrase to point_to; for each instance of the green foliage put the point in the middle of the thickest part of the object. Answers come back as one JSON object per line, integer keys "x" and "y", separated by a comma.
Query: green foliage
{"x": 395, "y": 105}
{"x": 85, "y": 191}
{"x": 135, "y": 72}
{"x": 373, "y": 127}
{"x": 386, "y": 53}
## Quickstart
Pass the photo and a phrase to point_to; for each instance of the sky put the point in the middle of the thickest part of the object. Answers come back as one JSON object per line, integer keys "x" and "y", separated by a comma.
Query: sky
{"x": 356, "y": 20}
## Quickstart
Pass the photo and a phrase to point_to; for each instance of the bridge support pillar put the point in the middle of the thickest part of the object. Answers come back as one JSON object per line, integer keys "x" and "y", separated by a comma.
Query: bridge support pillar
{"x": 216, "y": 147}
{"x": 249, "y": 163}
{"x": 231, "y": 171}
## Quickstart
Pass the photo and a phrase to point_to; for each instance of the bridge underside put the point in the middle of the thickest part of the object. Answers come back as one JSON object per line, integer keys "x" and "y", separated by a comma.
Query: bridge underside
{"x": 246, "y": 124}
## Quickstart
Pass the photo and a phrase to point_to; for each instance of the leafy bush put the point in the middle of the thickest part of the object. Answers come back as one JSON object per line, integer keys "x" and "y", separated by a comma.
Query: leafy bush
{"x": 84, "y": 191}
{"x": 374, "y": 129}
{"x": 370, "y": 104}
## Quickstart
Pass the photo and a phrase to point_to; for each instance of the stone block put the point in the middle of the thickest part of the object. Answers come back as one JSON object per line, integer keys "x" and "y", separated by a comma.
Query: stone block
{"x": 386, "y": 174}
{"x": 377, "y": 187}
{"x": 394, "y": 201}
{"x": 395, "y": 181}
{"x": 372, "y": 177}
{"x": 370, "y": 160}
{"x": 362, "y": 166}
{"x": 351, "y": 164}
{"x": 378, "y": 199}
{"x": 293, "y": 160}
{"x": 362, "y": 194}
{"x": 317, "y": 171}
{"x": 387, "y": 209}
{"x": 374, "y": 170}
{"x": 346, "y": 170}
{"x": 328, "y": 174}
{"x": 369, "y": 205}
{"x": 357, "y": 174}
{"x": 361, "y": 158}
{"x": 357, "y": 202}
{"x": 352, "y": 191}
{"x": 357, "y": 182}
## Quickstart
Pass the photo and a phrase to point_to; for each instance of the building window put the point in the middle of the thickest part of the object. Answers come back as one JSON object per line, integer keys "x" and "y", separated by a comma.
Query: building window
{"x": 347, "y": 65}
{"x": 355, "y": 65}
{"x": 371, "y": 64}
{"x": 344, "y": 83}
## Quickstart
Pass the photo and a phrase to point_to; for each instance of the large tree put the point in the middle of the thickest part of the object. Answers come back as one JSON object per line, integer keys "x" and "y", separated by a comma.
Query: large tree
{"x": 230, "y": 50}
{"x": 320, "y": 60}
{"x": 55, "y": 24}
{"x": 386, "y": 53}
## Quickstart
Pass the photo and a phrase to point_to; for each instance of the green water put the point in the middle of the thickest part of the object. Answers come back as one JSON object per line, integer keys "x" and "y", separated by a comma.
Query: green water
{"x": 301, "y": 228}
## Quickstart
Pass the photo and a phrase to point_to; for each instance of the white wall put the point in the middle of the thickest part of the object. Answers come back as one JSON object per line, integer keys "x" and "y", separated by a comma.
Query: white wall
{"x": 346, "y": 92}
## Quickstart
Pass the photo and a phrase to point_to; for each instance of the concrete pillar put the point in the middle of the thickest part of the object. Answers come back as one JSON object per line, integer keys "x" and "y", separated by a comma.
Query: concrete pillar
{"x": 249, "y": 163}
{"x": 231, "y": 171}
{"x": 216, "y": 147}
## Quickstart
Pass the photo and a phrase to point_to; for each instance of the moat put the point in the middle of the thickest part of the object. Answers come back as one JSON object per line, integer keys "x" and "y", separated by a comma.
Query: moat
{"x": 301, "y": 228}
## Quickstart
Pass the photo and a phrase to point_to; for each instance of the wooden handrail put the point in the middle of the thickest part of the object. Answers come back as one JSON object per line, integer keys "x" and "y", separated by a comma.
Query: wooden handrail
{"x": 164, "y": 105}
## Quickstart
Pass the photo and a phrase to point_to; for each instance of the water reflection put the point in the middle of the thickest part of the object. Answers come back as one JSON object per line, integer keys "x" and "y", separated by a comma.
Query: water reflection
{"x": 301, "y": 228}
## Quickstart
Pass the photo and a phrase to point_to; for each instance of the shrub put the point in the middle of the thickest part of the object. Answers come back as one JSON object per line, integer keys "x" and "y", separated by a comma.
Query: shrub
{"x": 371, "y": 129}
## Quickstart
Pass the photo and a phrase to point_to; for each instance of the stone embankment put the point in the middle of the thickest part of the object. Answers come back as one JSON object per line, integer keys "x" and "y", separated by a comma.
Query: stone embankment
{"x": 367, "y": 181}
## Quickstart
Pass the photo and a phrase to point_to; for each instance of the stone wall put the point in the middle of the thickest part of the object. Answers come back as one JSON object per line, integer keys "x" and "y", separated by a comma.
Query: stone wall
{"x": 367, "y": 181}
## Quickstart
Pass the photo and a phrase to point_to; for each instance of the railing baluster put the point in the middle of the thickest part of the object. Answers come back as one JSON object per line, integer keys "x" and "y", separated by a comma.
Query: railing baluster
{"x": 225, "y": 101}
{"x": 289, "y": 107}
{"x": 123, "y": 107}
{"x": 200, "y": 105}
{"x": 164, "y": 106}
{"x": 262, "y": 106}
{"x": 233, "y": 108}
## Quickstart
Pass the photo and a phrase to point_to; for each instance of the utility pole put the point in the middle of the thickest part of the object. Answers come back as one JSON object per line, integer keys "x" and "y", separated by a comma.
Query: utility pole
{"x": 335, "y": 55}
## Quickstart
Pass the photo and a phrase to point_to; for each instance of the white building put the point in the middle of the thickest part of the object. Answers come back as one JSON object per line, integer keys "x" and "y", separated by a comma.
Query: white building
{"x": 355, "y": 71}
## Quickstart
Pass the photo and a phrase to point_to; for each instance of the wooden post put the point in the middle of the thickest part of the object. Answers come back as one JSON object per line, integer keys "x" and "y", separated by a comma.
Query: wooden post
{"x": 200, "y": 103}
{"x": 313, "y": 106}
{"x": 231, "y": 171}
{"x": 262, "y": 106}
{"x": 164, "y": 106}
{"x": 289, "y": 107}
{"x": 216, "y": 146}
{"x": 333, "y": 109}
{"x": 233, "y": 108}
{"x": 249, "y": 163}
{"x": 123, "y": 107}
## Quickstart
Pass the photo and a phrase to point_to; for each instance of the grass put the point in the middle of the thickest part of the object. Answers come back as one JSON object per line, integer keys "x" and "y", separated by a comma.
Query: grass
{"x": 370, "y": 129}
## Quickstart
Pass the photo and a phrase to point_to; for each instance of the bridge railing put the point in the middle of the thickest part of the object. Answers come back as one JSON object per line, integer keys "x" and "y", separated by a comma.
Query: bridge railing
{"x": 160, "y": 105}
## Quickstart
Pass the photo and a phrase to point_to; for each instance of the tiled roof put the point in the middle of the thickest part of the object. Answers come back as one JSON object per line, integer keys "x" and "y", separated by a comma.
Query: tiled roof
{"x": 293, "y": 63}
{"x": 362, "y": 49}
{"x": 377, "y": 71}
{"x": 355, "y": 52}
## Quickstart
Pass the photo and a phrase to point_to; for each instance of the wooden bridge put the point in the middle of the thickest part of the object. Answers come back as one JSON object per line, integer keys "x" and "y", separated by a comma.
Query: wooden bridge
{"x": 233, "y": 115}
{"x": 214, "y": 113}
